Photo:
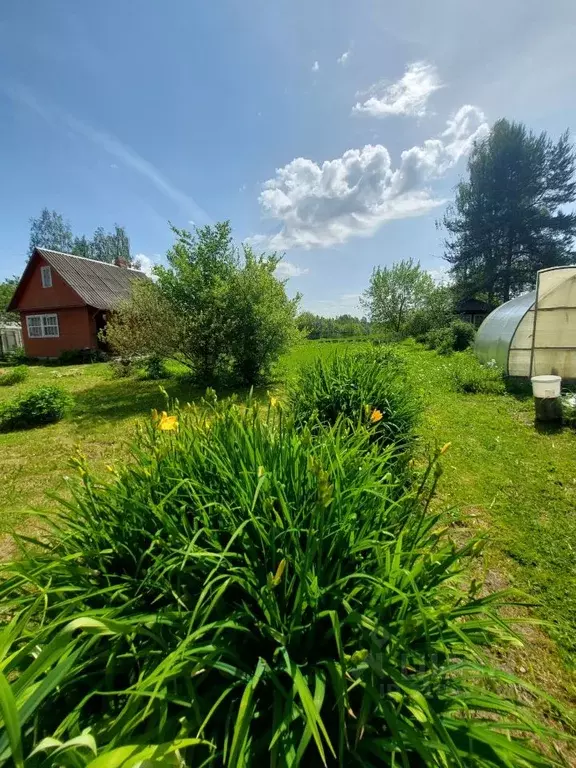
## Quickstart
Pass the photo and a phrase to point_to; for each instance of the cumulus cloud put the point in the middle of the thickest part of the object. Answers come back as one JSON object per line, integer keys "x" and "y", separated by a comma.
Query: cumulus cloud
{"x": 286, "y": 269}
{"x": 344, "y": 58}
{"x": 408, "y": 96}
{"x": 325, "y": 204}
{"x": 315, "y": 66}
{"x": 145, "y": 262}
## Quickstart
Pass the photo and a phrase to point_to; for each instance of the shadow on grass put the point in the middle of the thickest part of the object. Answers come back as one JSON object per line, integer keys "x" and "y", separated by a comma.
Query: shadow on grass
{"x": 519, "y": 388}
{"x": 124, "y": 398}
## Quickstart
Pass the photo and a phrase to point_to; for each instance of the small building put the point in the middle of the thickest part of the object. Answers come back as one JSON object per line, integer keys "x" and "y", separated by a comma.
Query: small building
{"x": 535, "y": 333}
{"x": 63, "y": 300}
{"x": 473, "y": 311}
{"x": 10, "y": 337}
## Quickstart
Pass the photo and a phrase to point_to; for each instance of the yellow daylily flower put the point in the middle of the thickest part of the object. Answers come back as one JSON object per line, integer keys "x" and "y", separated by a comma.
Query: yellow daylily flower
{"x": 167, "y": 423}
{"x": 376, "y": 415}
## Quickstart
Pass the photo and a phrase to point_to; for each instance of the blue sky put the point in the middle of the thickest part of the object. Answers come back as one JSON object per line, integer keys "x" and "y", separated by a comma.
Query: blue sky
{"x": 331, "y": 130}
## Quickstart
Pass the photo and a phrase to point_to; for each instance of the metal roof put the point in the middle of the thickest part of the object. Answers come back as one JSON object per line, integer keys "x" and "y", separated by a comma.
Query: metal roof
{"x": 99, "y": 284}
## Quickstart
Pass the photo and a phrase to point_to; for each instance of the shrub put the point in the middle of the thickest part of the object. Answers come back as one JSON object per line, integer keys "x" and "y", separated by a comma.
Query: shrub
{"x": 44, "y": 405}
{"x": 455, "y": 337}
{"x": 81, "y": 356}
{"x": 470, "y": 377}
{"x": 245, "y": 582}
{"x": 358, "y": 387}
{"x": 155, "y": 368}
{"x": 121, "y": 368}
{"x": 14, "y": 376}
{"x": 17, "y": 356}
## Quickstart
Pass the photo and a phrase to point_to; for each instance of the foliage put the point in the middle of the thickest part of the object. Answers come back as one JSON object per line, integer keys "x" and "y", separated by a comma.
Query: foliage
{"x": 395, "y": 293}
{"x": 145, "y": 324}
{"x": 121, "y": 368}
{"x": 247, "y": 583}
{"x": 344, "y": 326}
{"x": 261, "y": 318}
{"x": 81, "y": 356}
{"x": 7, "y": 288}
{"x": 50, "y": 231}
{"x": 43, "y": 405}
{"x": 455, "y": 337}
{"x": 17, "y": 356}
{"x": 435, "y": 312}
{"x": 235, "y": 318}
{"x": 111, "y": 247}
{"x": 13, "y": 376}
{"x": 470, "y": 377}
{"x": 509, "y": 218}
{"x": 356, "y": 387}
{"x": 155, "y": 368}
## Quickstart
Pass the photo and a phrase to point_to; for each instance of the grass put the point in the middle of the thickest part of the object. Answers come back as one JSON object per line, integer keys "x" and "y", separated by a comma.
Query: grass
{"x": 505, "y": 476}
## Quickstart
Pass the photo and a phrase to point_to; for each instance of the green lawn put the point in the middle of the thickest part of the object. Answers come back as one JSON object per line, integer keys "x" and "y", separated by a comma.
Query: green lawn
{"x": 505, "y": 476}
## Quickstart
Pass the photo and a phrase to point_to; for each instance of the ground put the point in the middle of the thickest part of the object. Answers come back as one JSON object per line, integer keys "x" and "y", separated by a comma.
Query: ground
{"x": 502, "y": 476}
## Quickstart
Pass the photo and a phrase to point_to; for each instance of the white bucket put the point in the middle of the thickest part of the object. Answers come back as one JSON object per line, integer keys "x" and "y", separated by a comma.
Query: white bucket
{"x": 546, "y": 386}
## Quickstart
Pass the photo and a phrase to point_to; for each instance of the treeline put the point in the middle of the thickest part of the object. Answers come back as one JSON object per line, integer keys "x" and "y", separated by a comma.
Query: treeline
{"x": 51, "y": 231}
{"x": 344, "y": 326}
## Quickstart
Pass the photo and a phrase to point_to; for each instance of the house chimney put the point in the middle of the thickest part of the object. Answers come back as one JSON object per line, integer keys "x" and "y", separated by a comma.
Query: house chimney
{"x": 120, "y": 262}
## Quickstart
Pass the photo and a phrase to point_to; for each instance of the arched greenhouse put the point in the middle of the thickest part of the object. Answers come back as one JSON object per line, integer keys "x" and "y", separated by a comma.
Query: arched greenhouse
{"x": 535, "y": 333}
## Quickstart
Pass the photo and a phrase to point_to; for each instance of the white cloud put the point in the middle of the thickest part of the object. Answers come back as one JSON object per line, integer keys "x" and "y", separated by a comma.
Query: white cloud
{"x": 286, "y": 269}
{"x": 324, "y": 204}
{"x": 408, "y": 96}
{"x": 315, "y": 66}
{"x": 146, "y": 263}
{"x": 344, "y": 58}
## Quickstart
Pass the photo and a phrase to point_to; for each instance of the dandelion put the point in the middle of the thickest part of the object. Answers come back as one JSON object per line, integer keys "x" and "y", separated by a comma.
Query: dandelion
{"x": 376, "y": 416}
{"x": 167, "y": 423}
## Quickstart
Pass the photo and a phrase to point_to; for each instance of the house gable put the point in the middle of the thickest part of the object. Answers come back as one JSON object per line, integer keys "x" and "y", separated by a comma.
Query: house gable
{"x": 31, "y": 294}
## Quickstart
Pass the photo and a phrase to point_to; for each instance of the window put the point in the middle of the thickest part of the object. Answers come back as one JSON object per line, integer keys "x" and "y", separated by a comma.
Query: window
{"x": 46, "y": 275}
{"x": 40, "y": 326}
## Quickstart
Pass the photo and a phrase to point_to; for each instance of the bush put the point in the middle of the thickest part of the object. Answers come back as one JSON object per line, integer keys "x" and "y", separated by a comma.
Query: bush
{"x": 44, "y": 405}
{"x": 17, "y": 356}
{"x": 13, "y": 376}
{"x": 455, "y": 337}
{"x": 247, "y": 583}
{"x": 358, "y": 387}
{"x": 82, "y": 356}
{"x": 155, "y": 368}
{"x": 121, "y": 369}
{"x": 470, "y": 377}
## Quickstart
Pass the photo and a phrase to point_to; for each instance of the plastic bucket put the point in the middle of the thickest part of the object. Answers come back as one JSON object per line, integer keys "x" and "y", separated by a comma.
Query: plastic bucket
{"x": 546, "y": 386}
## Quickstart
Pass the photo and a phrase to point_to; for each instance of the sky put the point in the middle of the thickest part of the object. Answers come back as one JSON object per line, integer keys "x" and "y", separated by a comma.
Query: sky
{"x": 328, "y": 130}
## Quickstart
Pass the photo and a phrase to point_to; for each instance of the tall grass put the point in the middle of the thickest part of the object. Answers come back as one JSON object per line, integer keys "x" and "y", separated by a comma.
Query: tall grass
{"x": 365, "y": 387}
{"x": 266, "y": 589}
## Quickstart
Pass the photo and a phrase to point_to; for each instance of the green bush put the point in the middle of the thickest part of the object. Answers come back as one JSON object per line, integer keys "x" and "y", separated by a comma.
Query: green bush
{"x": 455, "y": 337}
{"x": 17, "y": 356}
{"x": 155, "y": 368}
{"x": 358, "y": 387}
{"x": 44, "y": 405}
{"x": 14, "y": 376}
{"x": 121, "y": 369}
{"x": 81, "y": 356}
{"x": 246, "y": 582}
{"x": 470, "y": 377}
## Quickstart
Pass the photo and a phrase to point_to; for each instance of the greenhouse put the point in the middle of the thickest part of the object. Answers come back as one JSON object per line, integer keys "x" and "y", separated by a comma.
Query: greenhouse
{"x": 535, "y": 333}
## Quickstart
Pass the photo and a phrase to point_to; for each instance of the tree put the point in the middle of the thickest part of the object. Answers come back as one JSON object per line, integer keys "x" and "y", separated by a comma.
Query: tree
{"x": 395, "y": 293}
{"x": 145, "y": 324}
{"x": 220, "y": 311}
{"x": 509, "y": 219}
{"x": 263, "y": 317}
{"x": 111, "y": 246}
{"x": 50, "y": 231}
{"x": 82, "y": 247}
{"x": 7, "y": 288}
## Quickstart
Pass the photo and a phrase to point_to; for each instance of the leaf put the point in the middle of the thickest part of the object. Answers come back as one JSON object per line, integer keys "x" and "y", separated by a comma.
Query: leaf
{"x": 11, "y": 721}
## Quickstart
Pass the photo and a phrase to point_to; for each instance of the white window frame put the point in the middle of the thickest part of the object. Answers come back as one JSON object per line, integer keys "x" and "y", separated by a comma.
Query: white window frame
{"x": 48, "y": 326}
{"x": 46, "y": 277}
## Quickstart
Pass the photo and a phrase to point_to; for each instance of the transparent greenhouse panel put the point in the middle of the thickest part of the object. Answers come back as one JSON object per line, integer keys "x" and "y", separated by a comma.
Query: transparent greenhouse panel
{"x": 519, "y": 362}
{"x": 495, "y": 335}
{"x": 557, "y": 287}
{"x": 559, "y": 362}
{"x": 555, "y": 328}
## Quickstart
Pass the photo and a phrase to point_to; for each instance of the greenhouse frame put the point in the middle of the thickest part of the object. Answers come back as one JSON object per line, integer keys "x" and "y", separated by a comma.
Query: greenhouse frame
{"x": 535, "y": 333}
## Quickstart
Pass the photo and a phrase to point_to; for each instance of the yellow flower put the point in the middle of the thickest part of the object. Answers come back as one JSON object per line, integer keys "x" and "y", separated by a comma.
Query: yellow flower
{"x": 445, "y": 448}
{"x": 376, "y": 415}
{"x": 260, "y": 471}
{"x": 154, "y": 414}
{"x": 167, "y": 423}
{"x": 110, "y": 468}
{"x": 279, "y": 571}
{"x": 273, "y": 402}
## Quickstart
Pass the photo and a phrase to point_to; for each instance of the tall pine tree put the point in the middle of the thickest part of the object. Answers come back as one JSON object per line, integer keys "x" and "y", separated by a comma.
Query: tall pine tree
{"x": 509, "y": 218}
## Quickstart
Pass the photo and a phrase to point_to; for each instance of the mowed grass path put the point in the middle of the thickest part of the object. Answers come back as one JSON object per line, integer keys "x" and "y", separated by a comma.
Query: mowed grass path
{"x": 502, "y": 474}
